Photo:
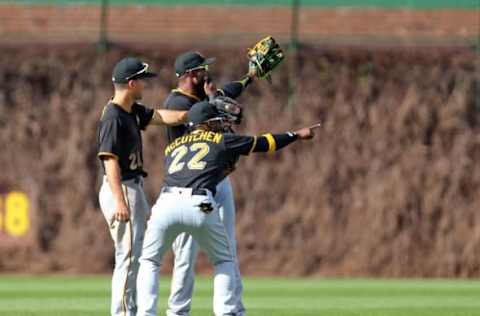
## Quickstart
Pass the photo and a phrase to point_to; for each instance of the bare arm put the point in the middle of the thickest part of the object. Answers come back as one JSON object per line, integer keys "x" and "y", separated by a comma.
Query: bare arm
{"x": 112, "y": 169}
{"x": 307, "y": 132}
{"x": 168, "y": 117}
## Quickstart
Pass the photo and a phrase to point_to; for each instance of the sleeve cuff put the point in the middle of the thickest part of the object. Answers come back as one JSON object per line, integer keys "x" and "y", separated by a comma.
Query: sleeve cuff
{"x": 107, "y": 154}
{"x": 245, "y": 81}
{"x": 253, "y": 144}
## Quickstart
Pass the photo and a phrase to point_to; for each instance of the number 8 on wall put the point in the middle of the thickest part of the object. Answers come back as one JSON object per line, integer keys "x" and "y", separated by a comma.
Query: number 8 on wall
{"x": 14, "y": 214}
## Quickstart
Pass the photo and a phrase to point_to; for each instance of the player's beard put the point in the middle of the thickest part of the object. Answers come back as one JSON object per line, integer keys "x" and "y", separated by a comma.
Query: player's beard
{"x": 199, "y": 91}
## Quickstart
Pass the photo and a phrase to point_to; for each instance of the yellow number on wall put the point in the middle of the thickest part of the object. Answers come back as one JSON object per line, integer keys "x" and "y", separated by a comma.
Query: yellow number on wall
{"x": 17, "y": 220}
{"x": 1, "y": 214}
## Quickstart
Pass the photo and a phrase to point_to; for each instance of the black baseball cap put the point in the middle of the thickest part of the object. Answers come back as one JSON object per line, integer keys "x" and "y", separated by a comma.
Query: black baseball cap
{"x": 190, "y": 61}
{"x": 201, "y": 112}
{"x": 131, "y": 68}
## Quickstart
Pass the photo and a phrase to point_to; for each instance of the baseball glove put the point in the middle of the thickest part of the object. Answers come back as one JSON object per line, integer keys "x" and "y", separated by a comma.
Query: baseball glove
{"x": 264, "y": 57}
{"x": 228, "y": 107}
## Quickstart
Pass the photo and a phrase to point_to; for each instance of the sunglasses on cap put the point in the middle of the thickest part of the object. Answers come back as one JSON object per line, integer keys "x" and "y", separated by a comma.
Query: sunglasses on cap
{"x": 203, "y": 67}
{"x": 141, "y": 71}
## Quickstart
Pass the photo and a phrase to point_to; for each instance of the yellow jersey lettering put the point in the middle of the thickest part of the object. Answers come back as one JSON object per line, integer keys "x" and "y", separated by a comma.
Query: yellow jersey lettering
{"x": 168, "y": 149}
{"x": 204, "y": 136}
{"x": 217, "y": 138}
{"x": 177, "y": 142}
{"x": 210, "y": 136}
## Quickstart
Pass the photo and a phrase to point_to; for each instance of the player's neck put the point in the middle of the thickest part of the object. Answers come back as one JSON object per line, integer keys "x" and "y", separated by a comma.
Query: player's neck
{"x": 123, "y": 100}
{"x": 187, "y": 88}
{"x": 200, "y": 129}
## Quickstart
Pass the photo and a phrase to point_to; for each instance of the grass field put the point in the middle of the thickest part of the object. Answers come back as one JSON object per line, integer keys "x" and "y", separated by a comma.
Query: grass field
{"x": 89, "y": 296}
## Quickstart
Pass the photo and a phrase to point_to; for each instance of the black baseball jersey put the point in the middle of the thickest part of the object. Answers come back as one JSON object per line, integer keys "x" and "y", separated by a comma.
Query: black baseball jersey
{"x": 199, "y": 159}
{"x": 119, "y": 136}
{"x": 182, "y": 101}
{"x": 179, "y": 101}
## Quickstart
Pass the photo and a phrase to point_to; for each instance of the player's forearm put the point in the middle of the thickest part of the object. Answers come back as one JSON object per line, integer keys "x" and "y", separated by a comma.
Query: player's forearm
{"x": 235, "y": 88}
{"x": 246, "y": 80}
{"x": 112, "y": 170}
{"x": 169, "y": 117}
{"x": 273, "y": 142}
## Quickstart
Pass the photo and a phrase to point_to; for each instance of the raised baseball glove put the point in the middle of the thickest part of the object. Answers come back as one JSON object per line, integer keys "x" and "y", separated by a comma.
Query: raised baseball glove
{"x": 229, "y": 108}
{"x": 264, "y": 57}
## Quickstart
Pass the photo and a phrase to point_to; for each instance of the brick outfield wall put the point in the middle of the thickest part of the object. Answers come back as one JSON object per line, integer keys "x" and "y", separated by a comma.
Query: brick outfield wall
{"x": 175, "y": 25}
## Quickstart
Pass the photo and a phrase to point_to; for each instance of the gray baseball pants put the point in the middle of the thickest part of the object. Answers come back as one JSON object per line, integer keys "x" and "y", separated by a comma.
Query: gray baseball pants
{"x": 174, "y": 213}
{"x": 127, "y": 238}
{"x": 186, "y": 249}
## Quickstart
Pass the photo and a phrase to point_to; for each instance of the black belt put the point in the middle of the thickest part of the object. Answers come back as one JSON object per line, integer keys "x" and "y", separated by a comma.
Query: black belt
{"x": 136, "y": 179}
{"x": 198, "y": 191}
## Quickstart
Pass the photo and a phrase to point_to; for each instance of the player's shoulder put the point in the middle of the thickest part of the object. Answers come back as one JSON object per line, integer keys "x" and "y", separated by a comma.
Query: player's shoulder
{"x": 230, "y": 138}
{"x": 178, "y": 100}
{"x": 137, "y": 106}
{"x": 238, "y": 144}
{"x": 229, "y": 135}
{"x": 113, "y": 115}
{"x": 233, "y": 136}
{"x": 111, "y": 112}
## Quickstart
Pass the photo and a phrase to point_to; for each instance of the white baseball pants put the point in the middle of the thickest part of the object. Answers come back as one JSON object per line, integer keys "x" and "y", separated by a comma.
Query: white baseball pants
{"x": 175, "y": 213}
{"x": 127, "y": 238}
{"x": 186, "y": 249}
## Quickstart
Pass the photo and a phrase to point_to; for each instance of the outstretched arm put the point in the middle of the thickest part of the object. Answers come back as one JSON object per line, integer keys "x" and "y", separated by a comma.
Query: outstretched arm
{"x": 147, "y": 116}
{"x": 235, "y": 88}
{"x": 168, "y": 117}
{"x": 273, "y": 142}
{"x": 232, "y": 89}
{"x": 244, "y": 145}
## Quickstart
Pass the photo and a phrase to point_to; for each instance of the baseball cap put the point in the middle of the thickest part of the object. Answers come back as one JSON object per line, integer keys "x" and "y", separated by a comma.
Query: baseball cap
{"x": 201, "y": 112}
{"x": 191, "y": 61}
{"x": 131, "y": 68}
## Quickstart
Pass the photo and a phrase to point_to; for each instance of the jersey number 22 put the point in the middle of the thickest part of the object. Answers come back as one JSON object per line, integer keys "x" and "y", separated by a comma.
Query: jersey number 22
{"x": 195, "y": 163}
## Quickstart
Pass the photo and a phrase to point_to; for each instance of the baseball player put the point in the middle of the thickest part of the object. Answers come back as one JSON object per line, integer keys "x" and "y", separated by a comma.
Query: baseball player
{"x": 195, "y": 164}
{"x": 194, "y": 84}
{"x": 122, "y": 198}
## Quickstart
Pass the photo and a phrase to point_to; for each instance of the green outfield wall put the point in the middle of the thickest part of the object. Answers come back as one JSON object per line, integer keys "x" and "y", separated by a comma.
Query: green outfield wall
{"x": 415, "y": 4}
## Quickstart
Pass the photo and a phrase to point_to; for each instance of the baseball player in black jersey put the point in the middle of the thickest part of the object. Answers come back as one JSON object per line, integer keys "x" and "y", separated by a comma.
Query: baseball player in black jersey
{"x": 194, "y": 85}
{"x": 122, "y": 198}
{"x": 195, "y": 164}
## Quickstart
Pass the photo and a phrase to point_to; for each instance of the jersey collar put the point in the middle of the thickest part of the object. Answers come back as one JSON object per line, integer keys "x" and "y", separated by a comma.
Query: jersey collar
{"x": 121, "y": 109}
{"x": 178, "y": 90}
